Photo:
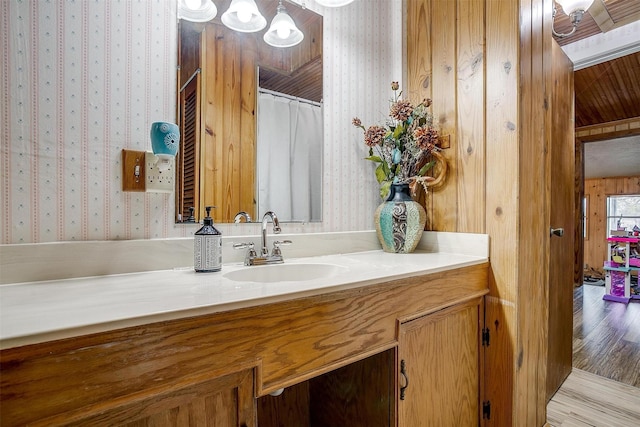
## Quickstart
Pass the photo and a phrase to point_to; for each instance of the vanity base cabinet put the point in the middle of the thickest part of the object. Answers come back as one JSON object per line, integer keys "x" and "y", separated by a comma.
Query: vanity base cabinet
{"x": 439, "y": 372}
{"x": 334, "y": 353}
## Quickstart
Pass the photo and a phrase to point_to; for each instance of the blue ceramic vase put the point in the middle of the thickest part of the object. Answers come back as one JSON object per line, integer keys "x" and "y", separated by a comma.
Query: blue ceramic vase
{"x": 165, "y": 138}
{"x": 400, "y": 221}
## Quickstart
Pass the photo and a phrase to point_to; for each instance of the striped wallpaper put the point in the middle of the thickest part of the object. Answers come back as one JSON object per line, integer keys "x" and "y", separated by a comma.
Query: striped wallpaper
{"x": 83, "y": 79}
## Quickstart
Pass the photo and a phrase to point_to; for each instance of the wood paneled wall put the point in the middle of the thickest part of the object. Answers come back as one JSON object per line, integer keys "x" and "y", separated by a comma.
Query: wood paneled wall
{"x": 487, "y": 66}
{"x": 228, "y": 134}
{"x": 596, "y": 192}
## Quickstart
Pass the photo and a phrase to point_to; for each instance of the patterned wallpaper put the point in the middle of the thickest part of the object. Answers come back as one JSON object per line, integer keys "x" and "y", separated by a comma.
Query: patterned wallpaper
{"x": 83, "y": 79}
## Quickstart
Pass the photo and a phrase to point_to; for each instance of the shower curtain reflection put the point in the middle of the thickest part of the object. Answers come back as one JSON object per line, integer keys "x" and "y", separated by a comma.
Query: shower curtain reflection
{"x": 289, "y": 157}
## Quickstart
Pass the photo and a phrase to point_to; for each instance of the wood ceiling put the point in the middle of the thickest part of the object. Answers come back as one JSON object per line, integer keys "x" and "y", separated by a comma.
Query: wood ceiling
{"x": 609, "y": 91}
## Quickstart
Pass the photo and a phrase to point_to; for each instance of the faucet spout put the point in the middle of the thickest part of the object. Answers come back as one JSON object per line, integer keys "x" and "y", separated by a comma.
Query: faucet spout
{"x": 240, "y": 215}
{"x": 269, "y": 215}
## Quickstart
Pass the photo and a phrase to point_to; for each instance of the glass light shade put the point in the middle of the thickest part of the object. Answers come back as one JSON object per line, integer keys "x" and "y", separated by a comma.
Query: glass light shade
{"x": 334, "y": 3}
{"x": 197, "y": 10}
{"x": 283, "y": 31}
{"x": 244, "y": 16}
{"x": 570, "y": 6}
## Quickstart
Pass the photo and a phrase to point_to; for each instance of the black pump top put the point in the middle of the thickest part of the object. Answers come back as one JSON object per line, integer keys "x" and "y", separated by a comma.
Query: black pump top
{"x": 207, "y": 224}
{"x": 207, "y": 219}
{"x": 191, "y": 218}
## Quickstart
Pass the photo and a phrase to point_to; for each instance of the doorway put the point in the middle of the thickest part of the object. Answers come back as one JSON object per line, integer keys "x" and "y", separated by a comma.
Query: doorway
{"x": 606, "y": 334}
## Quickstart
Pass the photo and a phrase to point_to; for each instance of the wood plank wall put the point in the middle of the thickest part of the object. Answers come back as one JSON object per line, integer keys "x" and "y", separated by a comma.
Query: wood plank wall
{"x": 596, "y": 192}
{"x": 486, "y": 65}
{"x": 227, "y": 167}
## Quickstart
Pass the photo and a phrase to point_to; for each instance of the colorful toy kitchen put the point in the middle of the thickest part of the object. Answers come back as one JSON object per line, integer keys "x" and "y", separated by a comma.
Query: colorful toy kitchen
{"x": 621, "y": 269}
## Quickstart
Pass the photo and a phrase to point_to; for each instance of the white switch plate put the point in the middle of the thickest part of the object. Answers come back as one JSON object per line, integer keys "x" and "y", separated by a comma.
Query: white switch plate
{"x": 159, "y": 180}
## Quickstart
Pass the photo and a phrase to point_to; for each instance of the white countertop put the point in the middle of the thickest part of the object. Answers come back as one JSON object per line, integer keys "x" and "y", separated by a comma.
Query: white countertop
{"x": 34, "y": 312}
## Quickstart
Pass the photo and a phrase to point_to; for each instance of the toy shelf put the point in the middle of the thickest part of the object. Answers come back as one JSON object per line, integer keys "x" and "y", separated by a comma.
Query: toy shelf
{"x": 623, "y": 261}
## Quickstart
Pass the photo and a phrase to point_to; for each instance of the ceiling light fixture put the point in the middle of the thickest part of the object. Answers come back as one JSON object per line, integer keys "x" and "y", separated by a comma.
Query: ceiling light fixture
{"x": 333, "y": 3}
{"x": 244, "y": 16}
{"x": 283, "y": 31}
{"x": 575, "y": 9}
{"x": 197, "y": 10}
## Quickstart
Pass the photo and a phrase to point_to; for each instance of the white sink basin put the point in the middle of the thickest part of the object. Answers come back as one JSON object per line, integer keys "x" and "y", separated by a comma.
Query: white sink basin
{"x": 285, "y": 272}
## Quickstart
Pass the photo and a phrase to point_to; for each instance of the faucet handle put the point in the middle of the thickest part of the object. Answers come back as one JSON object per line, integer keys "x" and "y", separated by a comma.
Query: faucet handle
{"x": 276, "y": 246}
{"x": 252, "y": 248}
{"x": 243, "y": 245}
{"x": 251, "y": 253}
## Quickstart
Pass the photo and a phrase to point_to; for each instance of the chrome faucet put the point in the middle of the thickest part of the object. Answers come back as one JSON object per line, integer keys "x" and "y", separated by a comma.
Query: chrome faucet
{"x": 276, "y": 229}
{"x": 252, "y": 257}
{"x": 240, "y": 215}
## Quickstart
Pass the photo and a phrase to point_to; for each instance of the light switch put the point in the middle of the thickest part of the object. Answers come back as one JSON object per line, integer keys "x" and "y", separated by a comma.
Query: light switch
{"x": 133, "y": 170}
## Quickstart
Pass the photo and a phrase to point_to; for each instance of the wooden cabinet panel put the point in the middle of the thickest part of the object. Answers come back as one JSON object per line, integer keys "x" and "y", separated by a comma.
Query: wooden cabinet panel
{"x": 440, "y": 354}
{"x": 225, "y": 401}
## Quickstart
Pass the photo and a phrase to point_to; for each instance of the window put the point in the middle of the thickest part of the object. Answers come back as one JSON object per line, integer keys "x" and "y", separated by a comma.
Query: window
{"x": 623, "y": 213}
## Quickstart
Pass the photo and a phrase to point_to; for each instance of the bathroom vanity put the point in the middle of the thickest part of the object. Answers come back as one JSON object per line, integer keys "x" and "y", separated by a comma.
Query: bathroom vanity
{"x": 391, "y": 340}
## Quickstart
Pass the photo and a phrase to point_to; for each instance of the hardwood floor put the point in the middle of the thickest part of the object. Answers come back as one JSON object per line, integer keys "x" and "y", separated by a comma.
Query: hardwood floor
{"x": 586, "y": 399}
{"x": 604, "y": 387}
{"x": 606, "y": 336}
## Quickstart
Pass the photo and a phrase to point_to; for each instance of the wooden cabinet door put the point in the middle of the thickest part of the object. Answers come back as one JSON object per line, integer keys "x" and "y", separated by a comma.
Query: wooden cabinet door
{"x": 227, "y": 401}
{"x": 439, "y": 375}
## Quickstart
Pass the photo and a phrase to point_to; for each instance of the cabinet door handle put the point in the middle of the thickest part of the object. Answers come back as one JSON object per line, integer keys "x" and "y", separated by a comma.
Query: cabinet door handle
{"x": 403, "y": 372}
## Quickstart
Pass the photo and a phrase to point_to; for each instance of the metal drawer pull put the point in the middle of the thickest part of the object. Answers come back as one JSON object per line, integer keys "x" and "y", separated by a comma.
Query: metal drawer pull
{"x": 403, "y": 372}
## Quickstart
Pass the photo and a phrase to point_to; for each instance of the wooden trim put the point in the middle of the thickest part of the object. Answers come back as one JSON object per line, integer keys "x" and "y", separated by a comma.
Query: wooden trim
{"x": 609, "y": 130}
{"x": 435, "y": 309}
{"x": 583, "y": 210}
{"x": 601, "y": 16}
{"x": 579, "y": 239}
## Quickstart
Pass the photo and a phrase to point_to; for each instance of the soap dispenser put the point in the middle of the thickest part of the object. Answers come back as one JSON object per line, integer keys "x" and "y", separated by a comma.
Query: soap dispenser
{"x": 207, "y": 246}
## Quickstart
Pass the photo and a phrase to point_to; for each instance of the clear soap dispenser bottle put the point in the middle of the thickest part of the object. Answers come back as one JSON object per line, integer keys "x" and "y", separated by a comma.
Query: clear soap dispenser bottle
{"x": 207, "y": 246}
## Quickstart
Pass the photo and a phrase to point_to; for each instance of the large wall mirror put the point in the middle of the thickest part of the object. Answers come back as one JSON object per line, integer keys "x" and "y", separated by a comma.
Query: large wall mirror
{"x": 251, "y": 120}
